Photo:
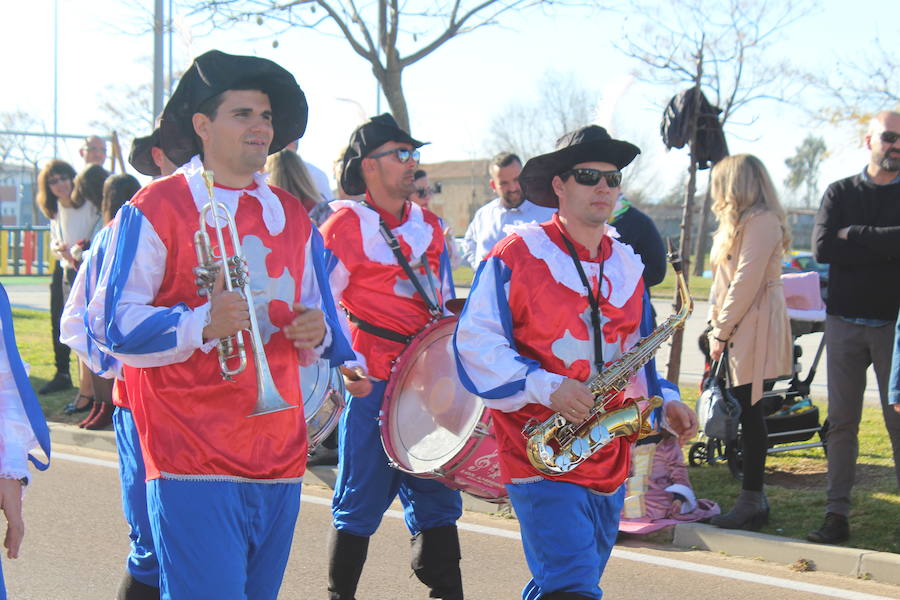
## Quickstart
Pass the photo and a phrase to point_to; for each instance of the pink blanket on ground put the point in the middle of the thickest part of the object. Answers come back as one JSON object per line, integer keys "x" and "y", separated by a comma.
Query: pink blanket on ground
{"x": 659, "y": 493}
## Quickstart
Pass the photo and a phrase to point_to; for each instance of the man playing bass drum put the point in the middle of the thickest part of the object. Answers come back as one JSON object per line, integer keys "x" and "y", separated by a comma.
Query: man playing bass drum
{"x": 551, "y": 305}
{"x": 389, "y": 295}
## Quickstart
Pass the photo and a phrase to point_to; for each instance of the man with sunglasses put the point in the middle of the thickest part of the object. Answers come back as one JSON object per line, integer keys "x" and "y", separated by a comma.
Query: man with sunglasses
{"x": 390, "y": 271}
{"x": 551, "y": 305}
{"x": 857, "y": 232}
{"x": 509, "y": 208}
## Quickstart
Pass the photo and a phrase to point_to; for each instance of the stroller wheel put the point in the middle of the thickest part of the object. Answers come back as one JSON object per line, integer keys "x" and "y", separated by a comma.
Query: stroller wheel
{"x": 697, "y": 454}
{"x": 734, "y": 459}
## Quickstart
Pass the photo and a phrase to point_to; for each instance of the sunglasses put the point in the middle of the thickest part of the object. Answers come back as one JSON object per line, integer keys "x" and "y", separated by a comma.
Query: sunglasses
{"x": 423, "y": 192}
{"x": 58, "y": 178}
{"x": 403, "y": 154}
{"x": 592, "y": 177}
{"x": 889, "y": 137}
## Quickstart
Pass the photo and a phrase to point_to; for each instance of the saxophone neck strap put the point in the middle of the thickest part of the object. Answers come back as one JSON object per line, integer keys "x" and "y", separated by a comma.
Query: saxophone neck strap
{"x": 593, "y": 300}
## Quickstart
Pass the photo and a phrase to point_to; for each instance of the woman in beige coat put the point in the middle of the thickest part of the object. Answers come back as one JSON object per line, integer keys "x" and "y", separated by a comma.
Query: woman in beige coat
{"x": 748, "y": 314}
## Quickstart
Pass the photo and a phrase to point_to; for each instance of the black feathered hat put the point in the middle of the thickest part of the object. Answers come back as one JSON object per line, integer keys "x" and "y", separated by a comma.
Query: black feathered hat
{"x": 588, "y": 144}
{"x": 215, "y": 72}
{"x": 364, "y": 139}
{"x": 141, "y": 158}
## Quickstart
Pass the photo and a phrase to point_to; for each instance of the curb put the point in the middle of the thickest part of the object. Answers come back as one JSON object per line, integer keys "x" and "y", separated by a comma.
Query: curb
{"x": 860, "y": 563}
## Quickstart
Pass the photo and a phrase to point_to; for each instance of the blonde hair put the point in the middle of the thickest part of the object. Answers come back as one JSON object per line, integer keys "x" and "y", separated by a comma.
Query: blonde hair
{"x": 741, "y": 187}
{"x": 287, "y": 171}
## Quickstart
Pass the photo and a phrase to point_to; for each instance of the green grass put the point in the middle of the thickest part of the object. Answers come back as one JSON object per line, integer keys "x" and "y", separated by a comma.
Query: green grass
{"x": 33, "y": 339}
{"x": 8, "y": 280}
{"x": 795, "y": 486}
{"x": 699, "y": 287}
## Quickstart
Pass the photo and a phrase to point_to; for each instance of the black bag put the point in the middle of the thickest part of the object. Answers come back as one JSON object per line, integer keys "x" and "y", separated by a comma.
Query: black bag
{"x": 718, "y": 412}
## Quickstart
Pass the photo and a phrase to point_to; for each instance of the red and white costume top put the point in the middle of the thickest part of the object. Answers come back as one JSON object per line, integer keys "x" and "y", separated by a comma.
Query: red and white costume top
{"x": 367, "y": 280}
{"x": 526, "y": 326}
{"x": 147, "y": 313}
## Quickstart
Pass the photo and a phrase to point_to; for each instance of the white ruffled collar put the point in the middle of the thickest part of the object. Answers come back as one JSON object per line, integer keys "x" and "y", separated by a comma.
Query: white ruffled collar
{"x": 272, "y": 210}
{"x": 415, "y": 231}
{"x": 622, "y": 270}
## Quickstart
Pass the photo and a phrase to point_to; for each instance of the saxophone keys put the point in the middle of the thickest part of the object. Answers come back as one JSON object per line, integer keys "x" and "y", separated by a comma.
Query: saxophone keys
{"x": 581, "y": 448}
{"x": 546, "y": 453}
{"x": 563, "y": 462}
{"x": 600, "y": 435}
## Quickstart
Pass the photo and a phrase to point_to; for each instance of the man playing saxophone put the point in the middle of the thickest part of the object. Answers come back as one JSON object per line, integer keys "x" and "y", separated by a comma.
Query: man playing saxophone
{"x": 552, "y": 304}
{"x": 211, "y": 470}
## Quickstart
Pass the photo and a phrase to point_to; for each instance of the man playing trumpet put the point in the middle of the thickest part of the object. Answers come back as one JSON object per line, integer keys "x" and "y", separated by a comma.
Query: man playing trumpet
{"x": 211, "y": 470}
{"x": 551, "y": 306}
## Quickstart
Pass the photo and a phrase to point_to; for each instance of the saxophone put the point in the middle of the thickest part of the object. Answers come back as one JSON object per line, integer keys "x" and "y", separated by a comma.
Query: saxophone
{"x": 556, "y": 446}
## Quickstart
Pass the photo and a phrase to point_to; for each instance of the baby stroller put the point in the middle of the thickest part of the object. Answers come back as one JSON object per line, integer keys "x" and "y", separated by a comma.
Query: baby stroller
{"x": 792, "y": 419}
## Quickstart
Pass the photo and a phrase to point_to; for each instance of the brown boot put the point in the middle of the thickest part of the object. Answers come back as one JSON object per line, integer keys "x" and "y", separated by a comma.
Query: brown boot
{"x": 103, "y": 418}
{"x": 95, "y": 408}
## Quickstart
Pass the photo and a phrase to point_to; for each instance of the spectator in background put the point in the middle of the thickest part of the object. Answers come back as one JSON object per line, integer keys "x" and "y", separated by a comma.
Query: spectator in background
{"x": 79, "y": 220}
{"x": 637, "y": 230}
{"x": 857, "y": 233}
{"x": 422, "y": 195}
{"x": 748, "y": 313}
{"x": 287, "y": 170}
{"x": 54, "y": 185}
{"x": 93, "y": 150}
{"x": 318, "y": 176}
{"x": 489, "y": 224}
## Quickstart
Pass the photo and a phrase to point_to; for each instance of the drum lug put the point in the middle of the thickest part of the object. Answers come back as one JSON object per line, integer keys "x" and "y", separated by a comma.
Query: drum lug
{"x": 393, "y": 464}
{"x": 481, "y": 431}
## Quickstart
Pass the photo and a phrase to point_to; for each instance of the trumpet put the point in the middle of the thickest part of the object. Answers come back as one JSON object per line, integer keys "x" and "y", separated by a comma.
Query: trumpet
{"x": 237, "y": 276}
{"x": 555, "y": 446}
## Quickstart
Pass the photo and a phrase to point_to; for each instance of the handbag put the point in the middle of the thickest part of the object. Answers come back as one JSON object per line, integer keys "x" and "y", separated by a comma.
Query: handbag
{"x": 718, "y": 411}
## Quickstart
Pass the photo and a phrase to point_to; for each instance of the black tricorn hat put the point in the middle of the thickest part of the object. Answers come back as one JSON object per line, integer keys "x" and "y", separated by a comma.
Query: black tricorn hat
{"x": 588, "y": 144}
{"x": 215, "y": 72}
{"x": 364, "y": 139}
{"x": 140, "y": 157}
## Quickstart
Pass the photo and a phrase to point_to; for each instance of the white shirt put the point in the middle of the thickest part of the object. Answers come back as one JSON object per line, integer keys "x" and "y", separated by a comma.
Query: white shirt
{"x": 490, "y": 225}
{"x": 321, "y": 180}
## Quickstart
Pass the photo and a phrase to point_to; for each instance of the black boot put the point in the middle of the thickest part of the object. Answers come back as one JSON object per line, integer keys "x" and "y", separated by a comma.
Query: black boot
{"x": 347, "y": 555}
{"x": 751, "y": 512}
{"x": 435, "y": 561}
{"x": 132, "y": 589}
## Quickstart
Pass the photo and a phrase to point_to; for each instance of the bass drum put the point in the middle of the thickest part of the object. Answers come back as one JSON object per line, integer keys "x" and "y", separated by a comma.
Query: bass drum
{"x": 323, "y": 400}
{"x": 431, "y": 426}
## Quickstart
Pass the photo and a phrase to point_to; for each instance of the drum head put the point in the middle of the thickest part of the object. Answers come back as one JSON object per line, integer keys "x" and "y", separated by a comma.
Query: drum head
{"x": 315, "y": 381}
{"x": 428, "y": 416}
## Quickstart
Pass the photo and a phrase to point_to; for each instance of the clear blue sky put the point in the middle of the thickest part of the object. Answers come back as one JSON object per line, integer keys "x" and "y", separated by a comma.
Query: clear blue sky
{"x": 452, "y": 94}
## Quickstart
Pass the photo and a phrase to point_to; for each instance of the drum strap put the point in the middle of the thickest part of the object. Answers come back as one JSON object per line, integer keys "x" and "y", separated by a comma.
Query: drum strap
{"x": 389, "y": 237}
{"x": 375, "y": 330}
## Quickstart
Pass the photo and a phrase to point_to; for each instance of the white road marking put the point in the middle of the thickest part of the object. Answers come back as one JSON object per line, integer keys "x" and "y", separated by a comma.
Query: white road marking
{"x": 658, "y": 561}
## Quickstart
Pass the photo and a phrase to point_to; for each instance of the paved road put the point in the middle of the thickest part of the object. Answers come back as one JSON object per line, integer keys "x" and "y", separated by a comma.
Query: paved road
{"x": 76, "y": 543}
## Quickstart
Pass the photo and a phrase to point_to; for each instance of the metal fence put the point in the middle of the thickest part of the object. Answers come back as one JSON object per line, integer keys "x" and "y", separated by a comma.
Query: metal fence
{"x": 25, "y": 250}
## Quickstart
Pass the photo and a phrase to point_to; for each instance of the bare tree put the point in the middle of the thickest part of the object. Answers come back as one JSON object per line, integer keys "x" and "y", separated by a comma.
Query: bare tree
{"x": 804, "y": 169}
{"x": 858, "y": 88}
{"x": 375, "y": 31}
{"x": 14, "y": 144}
{"x": 718, "y": 48}
{"x": 561, "y": 104}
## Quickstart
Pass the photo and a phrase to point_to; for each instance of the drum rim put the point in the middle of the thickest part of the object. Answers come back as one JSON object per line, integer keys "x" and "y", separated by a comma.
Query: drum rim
{"x": 390, "y": 390}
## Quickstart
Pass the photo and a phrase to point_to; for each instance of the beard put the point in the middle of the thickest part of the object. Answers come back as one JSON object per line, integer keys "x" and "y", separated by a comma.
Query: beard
{"x": 890, "y": 162}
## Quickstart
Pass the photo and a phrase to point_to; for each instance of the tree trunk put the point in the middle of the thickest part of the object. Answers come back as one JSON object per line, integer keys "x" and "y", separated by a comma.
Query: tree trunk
{"x": 390, "y": 79}
{"x": 703, "y": 232}
{"x": 684, "y": 248}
